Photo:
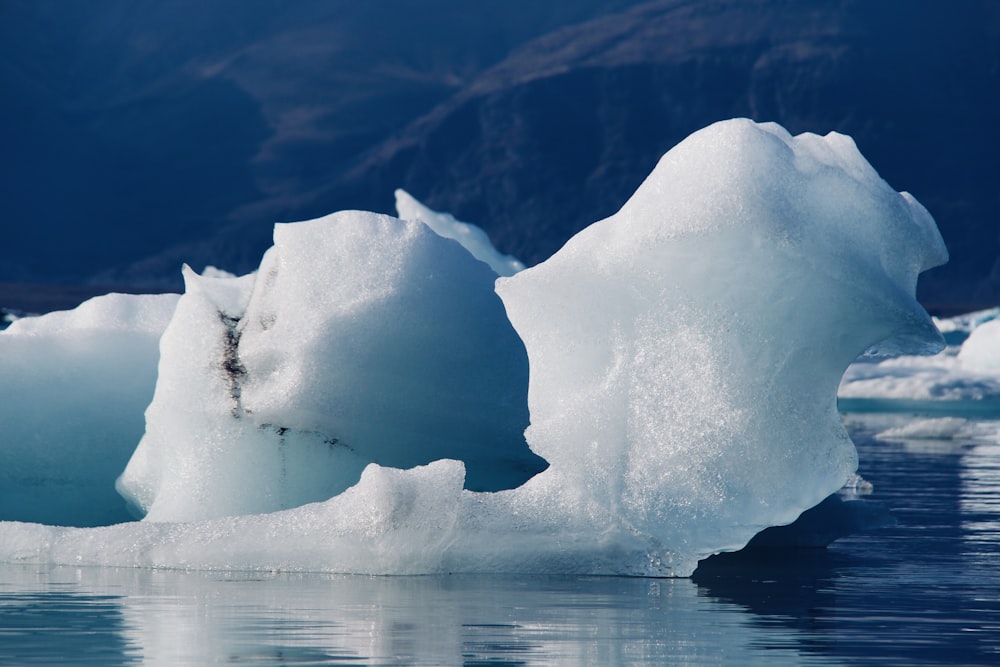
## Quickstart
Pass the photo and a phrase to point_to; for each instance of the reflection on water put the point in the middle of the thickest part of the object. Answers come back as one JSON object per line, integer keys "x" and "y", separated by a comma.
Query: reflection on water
{"x": 980, "y": 499}
{"x": 48, "y": 624}
{"x": 924, "y": 592}
{"x": 157, "y": 617}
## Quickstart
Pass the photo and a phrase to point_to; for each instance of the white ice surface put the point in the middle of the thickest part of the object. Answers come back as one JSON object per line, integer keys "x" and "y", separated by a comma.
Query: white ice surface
{"x": 362, "y": 338}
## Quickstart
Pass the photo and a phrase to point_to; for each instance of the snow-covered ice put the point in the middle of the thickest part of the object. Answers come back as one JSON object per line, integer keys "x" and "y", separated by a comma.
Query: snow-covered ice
{"x": 361, "y": 339}
{"x": 684, "y": 361}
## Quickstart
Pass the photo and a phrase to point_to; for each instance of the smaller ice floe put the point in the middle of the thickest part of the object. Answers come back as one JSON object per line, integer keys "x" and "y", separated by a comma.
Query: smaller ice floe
{"x": 981, "y": 350}
{"x": 941, "y": 432}
{"x": 855, "y": 487}
{"x": 961, "y": 381}
{"x": 73, "y": 388}
{"x": 940, "y": 428}
{"x": 470, "y": 236}
{"x": 957, "y": 329}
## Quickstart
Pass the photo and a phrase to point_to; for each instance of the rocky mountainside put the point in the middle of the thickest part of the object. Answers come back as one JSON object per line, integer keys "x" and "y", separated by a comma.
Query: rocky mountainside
{"x": 530, "y": 122}
{"x": 136, "y": 135}
{"x": 561, "y": 132}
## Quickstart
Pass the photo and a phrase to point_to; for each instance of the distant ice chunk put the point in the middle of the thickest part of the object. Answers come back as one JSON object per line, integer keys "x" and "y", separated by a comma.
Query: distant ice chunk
{"x": 934, "y": 428}
{"x": 981, "y": 350}
{"x": 215, "y": 272}
{"x": 910, "y": 378}
{"x": 957, "y": 329}
{"x": 73, "y": 388}
{"x": 470, "y": 236}
{"x": 8, "y": 316}
{"x": 963, "y": 380}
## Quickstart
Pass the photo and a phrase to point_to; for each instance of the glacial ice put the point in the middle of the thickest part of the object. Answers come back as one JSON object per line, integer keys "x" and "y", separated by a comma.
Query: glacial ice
{"x": 691, "y": 369}
{"x": 957, "y": 329}
{"x": 962, "y": 380}
{"x": 981, "y": 350}
{"x": 73, "y": 388}
{"x": 292, "y": 379}
{"x": 684, "y": 360}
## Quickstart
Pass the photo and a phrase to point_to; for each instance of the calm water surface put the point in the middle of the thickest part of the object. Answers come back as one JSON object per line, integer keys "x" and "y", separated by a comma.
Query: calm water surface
{"x": 924, "y": 592}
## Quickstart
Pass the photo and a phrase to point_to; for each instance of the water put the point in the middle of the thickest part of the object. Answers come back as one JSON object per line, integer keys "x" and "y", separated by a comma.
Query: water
{"x": 924, "y": 592}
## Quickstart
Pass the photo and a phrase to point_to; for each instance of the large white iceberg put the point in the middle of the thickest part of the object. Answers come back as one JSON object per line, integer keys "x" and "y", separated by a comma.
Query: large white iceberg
{"x": 684, "y": 360}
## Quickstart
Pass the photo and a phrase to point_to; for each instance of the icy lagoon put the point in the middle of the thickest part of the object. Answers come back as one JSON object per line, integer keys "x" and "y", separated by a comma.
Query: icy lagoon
{"x": 660, "y": 390}
{"x": 920, "y": 593}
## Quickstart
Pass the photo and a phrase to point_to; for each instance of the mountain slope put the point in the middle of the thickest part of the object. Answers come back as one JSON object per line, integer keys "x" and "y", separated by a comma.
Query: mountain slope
{"x": 140, "y": 139}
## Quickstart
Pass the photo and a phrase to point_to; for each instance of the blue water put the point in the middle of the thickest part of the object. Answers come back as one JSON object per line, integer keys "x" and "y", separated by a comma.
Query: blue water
{"x": 924, "y": 592}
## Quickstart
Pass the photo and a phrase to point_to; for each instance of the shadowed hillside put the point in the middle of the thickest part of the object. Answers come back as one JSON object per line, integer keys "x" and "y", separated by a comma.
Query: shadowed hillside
{"x": 141, "y": 138}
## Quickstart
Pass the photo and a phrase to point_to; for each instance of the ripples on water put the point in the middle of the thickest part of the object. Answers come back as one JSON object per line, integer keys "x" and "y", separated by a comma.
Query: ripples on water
{"x": 924, "y": 592}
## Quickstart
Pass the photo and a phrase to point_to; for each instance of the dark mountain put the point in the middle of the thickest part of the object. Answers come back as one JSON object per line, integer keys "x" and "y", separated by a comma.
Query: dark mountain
{"x": 136, "y": 134}
{"x": 561, "y": 132}
{"x": 143, "y": 135}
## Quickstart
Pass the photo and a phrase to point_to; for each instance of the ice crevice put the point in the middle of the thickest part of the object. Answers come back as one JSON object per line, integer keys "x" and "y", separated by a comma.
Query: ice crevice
{"x": 234, "y": 368}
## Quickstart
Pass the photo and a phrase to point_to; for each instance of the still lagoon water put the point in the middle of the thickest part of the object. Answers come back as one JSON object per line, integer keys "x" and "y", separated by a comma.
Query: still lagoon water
{"x": 923, "y": 592}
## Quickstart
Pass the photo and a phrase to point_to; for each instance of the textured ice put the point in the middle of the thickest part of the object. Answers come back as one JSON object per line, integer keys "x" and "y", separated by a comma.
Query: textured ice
{"x": 362, "y": 338}
{"x": 684, "y": 359}
{"x": 685, "y": 353}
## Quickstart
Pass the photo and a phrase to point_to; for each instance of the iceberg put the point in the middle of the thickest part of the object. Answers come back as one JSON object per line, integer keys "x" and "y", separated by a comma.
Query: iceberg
{"x": 73, "y": 388}
{"x": 956, "y": 329}
{"x": 685, "y": 353}
{"x": 961, "y": 381}
{"x": 359, "y": 403}
{"x": 289, "y": 381}
{"x": 981, "y": 350}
